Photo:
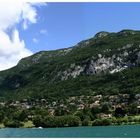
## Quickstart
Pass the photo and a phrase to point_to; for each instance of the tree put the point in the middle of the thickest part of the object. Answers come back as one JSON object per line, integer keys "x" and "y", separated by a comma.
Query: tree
{"x": 40, "y": 111}
{"x": 1, "y": 116}
{"x": 73, "y": 121}
{"x": 132, "y": 109}
{"x": 95, "y": 110}
{"x": 20, "y": 116}
{"x": 119, "y": 112}
{"x": 50, "y": 121}
{"x": 38, "y": 121}
{"x": 105, "y": 108}
{"x": 81, "y": 115}
{"x": 60, "y": 121}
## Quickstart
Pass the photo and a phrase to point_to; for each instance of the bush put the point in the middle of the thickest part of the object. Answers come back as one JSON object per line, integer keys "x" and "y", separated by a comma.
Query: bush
{"x": 113, "y": 120}
{"x": 102, "y": 122}
{"x": 130, "y": 119}
{"x": 106, "y": 122}
{"x": 125, "y": 120}
{"x": 97, "y": 122}
{"x": 13, "y": 124}
{"x": 85, "y": 122}
{"x": 119, "y": 121}
{"x": 73, "y": 121}
{"x": 136, "y": 119}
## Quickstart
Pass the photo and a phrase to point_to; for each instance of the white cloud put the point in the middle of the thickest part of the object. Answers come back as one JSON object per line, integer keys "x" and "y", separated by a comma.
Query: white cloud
{"x": 13, "y": 49}
{"x": 43, "y": 31}
{"x": 29, "y": 15}
{"x": 13, "y": 13}
{"x": 35, "y": 40}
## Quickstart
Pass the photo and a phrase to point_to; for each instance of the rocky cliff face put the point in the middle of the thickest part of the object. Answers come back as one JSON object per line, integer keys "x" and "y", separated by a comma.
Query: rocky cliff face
{"x": 128, "y": 57}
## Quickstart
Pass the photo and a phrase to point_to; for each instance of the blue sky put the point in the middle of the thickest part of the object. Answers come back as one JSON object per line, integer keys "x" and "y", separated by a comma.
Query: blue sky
{"x": 30, "y": 28}
{"x": 68, "y": 23}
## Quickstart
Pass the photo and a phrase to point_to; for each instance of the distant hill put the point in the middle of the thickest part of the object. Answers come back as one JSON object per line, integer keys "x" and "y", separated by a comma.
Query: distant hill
{"x": 108, "y": 63}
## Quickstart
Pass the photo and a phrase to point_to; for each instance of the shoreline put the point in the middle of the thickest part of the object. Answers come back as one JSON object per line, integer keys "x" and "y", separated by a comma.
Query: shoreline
{"x": 124, "y": 124}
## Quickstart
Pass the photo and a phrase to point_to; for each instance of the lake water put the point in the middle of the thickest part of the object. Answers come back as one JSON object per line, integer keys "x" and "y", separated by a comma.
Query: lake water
{"x": 127, "y": 131}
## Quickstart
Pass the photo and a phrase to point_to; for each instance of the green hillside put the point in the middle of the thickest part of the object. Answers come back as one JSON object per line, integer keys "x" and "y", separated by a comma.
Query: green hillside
{"x": 105, "y": 64}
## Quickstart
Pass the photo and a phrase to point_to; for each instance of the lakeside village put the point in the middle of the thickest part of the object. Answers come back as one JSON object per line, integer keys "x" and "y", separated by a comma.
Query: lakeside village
{"x": 72, "y": 111}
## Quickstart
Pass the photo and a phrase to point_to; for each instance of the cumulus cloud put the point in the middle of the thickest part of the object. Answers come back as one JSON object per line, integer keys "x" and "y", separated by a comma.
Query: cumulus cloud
{"x": 13, "y": 13}
{"x": 28, "y": 15}
{"x": 12, "y": 49}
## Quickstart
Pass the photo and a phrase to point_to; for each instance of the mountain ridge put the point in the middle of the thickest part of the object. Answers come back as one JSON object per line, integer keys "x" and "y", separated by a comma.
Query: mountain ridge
{"x": 105, "y": 54}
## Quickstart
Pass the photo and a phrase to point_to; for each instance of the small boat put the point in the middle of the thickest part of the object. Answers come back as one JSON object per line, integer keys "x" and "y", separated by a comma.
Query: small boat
{"x": 40, "y": 127}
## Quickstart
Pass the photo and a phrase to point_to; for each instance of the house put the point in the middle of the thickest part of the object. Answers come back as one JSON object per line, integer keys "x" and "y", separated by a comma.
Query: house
{"x": 102, "y": 115}
{"x": 138, "y": 109}
{"x": 17, "y": 102}
{"x": 71, "y": 103}
{"x": 97, "y": 97}
{"x": 61, "y": 105}
{"x": 51, "y": 112}
{"x": 81, "y": 106}
{"x": 97, "y": 102}
{"x": 43, "y": 100}
{"x": 94, "y": 105}
{"x": 2, "y": 103}
{"x": 137, "y": 96}
{"x": 54, "y": 103}
{"x": 73, "y": 98}
{"x": 30, "y": 116}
